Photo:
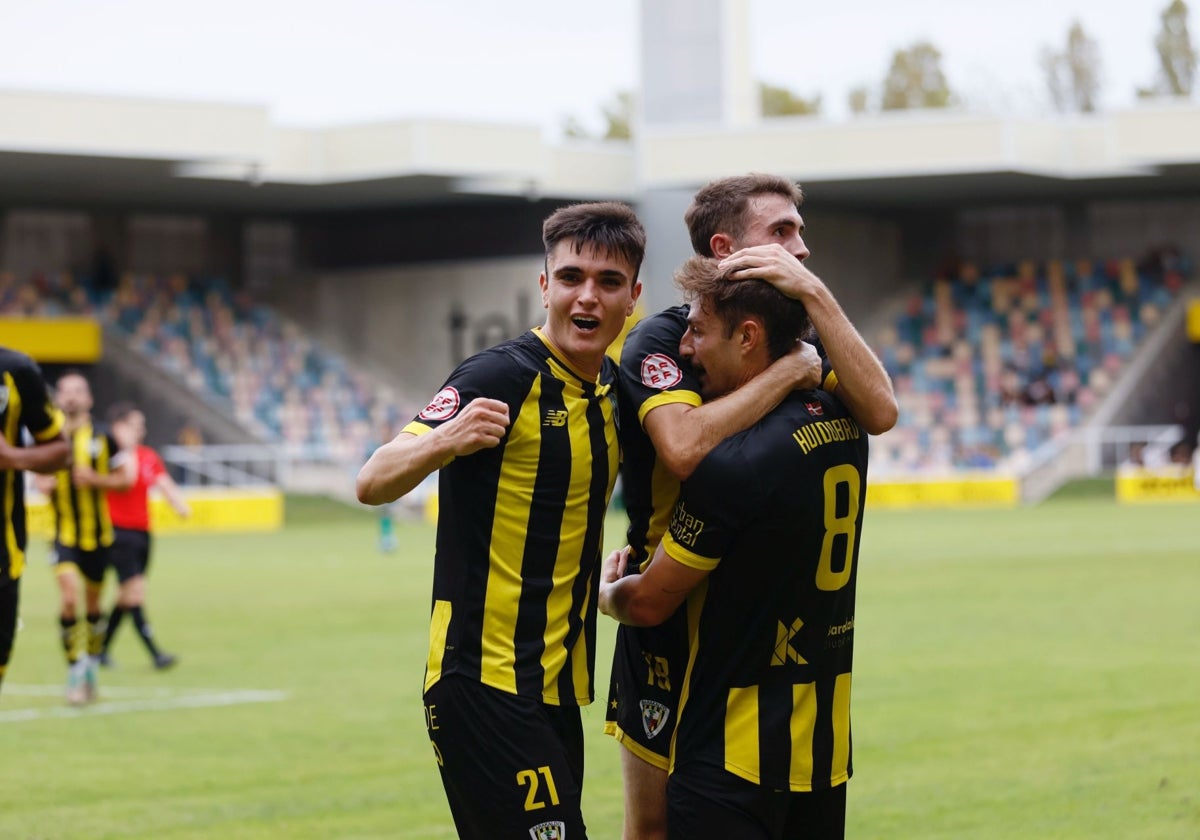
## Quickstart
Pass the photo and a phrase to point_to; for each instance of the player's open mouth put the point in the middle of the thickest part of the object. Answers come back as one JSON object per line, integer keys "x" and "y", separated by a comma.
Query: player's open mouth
{"x": 586, "y": 324}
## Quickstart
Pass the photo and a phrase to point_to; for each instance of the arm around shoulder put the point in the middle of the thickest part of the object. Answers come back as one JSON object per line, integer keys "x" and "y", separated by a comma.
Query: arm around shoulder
{"x": 683, "y": 434}
{"x": 863, "y": 384}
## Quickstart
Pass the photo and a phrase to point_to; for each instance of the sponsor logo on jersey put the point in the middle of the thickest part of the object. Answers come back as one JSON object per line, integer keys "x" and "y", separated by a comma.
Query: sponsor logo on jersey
{"x": 660, "y": 371}
{"x": 785, "y": 652}
{"x": 556, "y": 830}
{"x": 685, "y": 528}
{"x": 443, "y": 406}
{"x": 94, "y": 448}
{"x": 555, "y": 417}
{"x": 654, "y": 717}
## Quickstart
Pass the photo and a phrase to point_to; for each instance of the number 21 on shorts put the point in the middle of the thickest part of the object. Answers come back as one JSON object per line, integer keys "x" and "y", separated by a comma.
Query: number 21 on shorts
{"x": 535, "y": 798}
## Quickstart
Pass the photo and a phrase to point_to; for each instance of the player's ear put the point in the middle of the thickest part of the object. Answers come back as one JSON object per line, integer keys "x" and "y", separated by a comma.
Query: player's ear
{"x": 636, "y": 291}
{"x": 545, "y": 286}
{"x": 750, "y": 335}
{"x": 721, "y": 245}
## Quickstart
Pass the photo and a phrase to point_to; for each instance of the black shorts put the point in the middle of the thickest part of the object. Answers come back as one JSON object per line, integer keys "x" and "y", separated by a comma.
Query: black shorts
{"x": 649, "y": 664}
{"x": 708, "y": 803}
{"x": 10, "y": 599}
{"x": 129, "y": 554}
{"x": 91, "y": 564}
{"x": 511, "y": 766}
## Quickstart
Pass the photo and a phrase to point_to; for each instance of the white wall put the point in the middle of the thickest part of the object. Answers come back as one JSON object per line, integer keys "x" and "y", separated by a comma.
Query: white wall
{"x": 399, "y": 319}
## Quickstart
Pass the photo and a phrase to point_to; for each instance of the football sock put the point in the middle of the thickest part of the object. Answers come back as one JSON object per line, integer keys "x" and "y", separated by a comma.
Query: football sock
{"x": 67, "y": 636}
{"x": 114, "y": 621}
{"x": 95, "y": 633}
{"x": 143, "y": 628}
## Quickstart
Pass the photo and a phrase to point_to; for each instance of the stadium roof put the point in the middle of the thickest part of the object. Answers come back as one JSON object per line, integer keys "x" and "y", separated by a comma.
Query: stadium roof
{"x": 83, "y": 150}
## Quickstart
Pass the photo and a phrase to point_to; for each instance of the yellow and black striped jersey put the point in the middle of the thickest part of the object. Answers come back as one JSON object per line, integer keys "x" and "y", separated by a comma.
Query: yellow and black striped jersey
{"x": 24, "y": 403}
{"x": 520, "y": 525}
{"x": 81, "y": 517}
{"x": 775, "y": 513}
{"x": 652, "y": 374}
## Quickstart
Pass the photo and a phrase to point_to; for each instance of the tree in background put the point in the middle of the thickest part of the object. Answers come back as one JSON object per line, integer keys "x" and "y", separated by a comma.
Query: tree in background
{"x": 618, "y": 115}
{"x": 916, "y": 80}
{"x": 859, "y": 100}
{"x": 781, "y": 102}
{"x": 1073, "y": 76}
{"x": 1176, "y": 55}
{"x": 618, "y": 119}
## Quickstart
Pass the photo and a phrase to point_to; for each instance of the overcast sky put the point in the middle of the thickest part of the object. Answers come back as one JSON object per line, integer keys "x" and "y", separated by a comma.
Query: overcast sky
{"x": 317, "y": 62}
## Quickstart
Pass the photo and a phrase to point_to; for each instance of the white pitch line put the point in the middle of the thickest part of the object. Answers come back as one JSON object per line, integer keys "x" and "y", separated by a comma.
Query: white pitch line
{"x": 193, "y": 701}
{"x": 107, "y": 690}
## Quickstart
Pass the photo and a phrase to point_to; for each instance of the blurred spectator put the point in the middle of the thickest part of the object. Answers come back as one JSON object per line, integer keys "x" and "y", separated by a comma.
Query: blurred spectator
{"x": 1136, "y": 456}
{"x": 190, "y": 435}
{"x": 1180, "y": 453}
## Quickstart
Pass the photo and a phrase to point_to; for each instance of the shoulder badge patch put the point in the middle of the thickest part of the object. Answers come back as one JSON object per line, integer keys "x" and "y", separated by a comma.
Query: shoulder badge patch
{"x": 660, "y": 371}
{"x": 815, "y": 408}
{"x": 556, "y": 830}
{"x": 654, "y": 717}
{"x": 443, "y": 406}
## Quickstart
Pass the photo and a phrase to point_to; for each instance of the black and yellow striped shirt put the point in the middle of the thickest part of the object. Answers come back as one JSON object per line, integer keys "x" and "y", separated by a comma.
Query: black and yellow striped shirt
{"x": 652, "y": 375}
{"x": 23, "y": 403}
{"x": 81, "y": 513}
{"x": 775, "y": 513}
{"x": 520, "y": 525}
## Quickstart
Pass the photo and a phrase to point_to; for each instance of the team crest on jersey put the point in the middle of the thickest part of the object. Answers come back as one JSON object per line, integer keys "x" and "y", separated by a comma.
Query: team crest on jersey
{"x": 660, "y": 371}
{"x": 815, "y": 408}
{"x": 556, "y": 830}
{"x": 654, "y": 717}
{"x": 443, "y": 406}
{"x": 3, "y": 397}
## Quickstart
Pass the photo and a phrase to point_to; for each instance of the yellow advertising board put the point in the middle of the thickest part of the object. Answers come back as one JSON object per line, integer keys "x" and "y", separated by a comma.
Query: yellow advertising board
{"x": 54, "y": 340}
{"x": 217, "y": 510}
{"x": 1162, "y": 484}
{"x": 1193, "y": 320}
{"x": 968, "y": 490}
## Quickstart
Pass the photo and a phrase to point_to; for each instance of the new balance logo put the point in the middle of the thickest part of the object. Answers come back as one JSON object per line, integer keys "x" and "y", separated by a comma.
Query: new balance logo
{"x": 555, "y": 417}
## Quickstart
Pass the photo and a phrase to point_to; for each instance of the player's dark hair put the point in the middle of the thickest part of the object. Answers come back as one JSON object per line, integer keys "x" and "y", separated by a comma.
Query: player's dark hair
{"x": 732, "y": 301}
{"x": 119, "y": 411}
{"x": 609, "y": 226}
{"x": 721, "y": 206}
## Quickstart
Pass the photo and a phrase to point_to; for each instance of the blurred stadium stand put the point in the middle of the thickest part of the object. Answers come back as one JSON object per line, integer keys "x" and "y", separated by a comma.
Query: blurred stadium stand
{"x": 300, "y": 291}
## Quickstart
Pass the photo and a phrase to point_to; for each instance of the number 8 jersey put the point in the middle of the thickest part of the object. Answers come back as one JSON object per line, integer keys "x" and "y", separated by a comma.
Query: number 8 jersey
{"x": 775, "y": 513}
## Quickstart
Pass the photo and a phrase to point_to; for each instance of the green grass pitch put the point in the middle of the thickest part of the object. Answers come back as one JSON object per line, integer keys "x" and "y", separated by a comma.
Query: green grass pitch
{"x": 1019, "y": 674}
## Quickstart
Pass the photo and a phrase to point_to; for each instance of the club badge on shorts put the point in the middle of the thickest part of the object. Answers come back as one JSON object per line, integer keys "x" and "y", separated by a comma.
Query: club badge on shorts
{"x": 654, "y": 717}
{"x": 556, "y": 830}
